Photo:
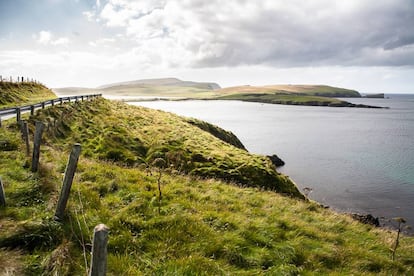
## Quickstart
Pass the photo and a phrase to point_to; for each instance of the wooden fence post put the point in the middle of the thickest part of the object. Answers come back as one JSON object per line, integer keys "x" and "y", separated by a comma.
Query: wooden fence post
{"x": 2, "y": 196}
{"x": 25, "y": 136}
{"x": 99, "y": 250}
{"x": 67, "y": 181}
{"x": 18, "y": 114}
{"x": 36, "y": 145}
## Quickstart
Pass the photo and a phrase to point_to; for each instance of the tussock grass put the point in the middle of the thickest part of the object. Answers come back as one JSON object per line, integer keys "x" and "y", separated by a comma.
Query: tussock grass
{"x": 15, "y": 94}
{"x": 205, "y": 226}
{"x": 134, "y": 136}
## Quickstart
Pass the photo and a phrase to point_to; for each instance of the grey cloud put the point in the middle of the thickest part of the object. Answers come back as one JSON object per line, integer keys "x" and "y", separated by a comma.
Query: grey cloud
{"x": 377, "y": 33}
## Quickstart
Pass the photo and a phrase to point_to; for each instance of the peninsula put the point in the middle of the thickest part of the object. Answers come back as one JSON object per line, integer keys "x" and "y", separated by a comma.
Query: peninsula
{"x": 175, "y": 89}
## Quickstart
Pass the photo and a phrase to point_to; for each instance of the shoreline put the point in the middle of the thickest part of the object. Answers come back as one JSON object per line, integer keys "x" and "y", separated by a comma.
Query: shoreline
{"x": 312, "y": 103}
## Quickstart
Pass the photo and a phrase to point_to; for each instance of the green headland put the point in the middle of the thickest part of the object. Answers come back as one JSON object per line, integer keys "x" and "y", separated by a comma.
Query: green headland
{"x": 223, "y": 211}
{"x": 175, "y": 89}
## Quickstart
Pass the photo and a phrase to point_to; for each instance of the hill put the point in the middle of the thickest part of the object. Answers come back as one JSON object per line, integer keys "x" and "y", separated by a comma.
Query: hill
{"x": 165, "y": 87}
{"x": 310, "y": 95}
{"x": 175, "y": 89}
{"x": 15, "y": 94}
{"x": 303, "y": 90}
{"x": 214, "y": 217}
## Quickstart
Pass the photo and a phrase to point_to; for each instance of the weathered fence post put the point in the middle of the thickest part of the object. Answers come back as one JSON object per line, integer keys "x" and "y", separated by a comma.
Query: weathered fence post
{"x": 99, "y": 250}
{"x": 25, "y": 136}
{"x": 67, "y": 181}
{"x": 32, "y": 109}
{"x": 36, "y": 145}
{"x": 18, "y": 114}
{"x": 2, "y": 196}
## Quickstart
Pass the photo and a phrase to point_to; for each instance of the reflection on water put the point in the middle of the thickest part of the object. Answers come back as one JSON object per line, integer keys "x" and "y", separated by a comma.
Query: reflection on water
{"x": 355, "y": 160}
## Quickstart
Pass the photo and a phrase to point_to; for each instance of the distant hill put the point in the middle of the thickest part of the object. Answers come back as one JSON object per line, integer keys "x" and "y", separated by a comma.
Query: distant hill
{"x": 163, "y": 82}
{"x": 306, "y": 90}
{"x": 173, "y": 88}
{"x": 165, "y": 87}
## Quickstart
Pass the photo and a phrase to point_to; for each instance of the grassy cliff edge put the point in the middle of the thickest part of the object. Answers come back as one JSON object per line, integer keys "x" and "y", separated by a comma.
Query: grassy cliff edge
{"x": 203, "y": 225}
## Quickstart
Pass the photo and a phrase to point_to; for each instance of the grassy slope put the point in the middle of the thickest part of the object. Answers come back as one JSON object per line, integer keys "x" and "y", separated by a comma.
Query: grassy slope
{"x": 136, "y": 135}
{"x": 319, "y": 95}
{"x": 15, "y": 94}
{"x": 308, "y": 90}
{"x": 200, "y": 227}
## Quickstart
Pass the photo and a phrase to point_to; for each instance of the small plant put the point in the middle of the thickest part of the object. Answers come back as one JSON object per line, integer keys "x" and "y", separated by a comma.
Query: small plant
{"x": 400, "y": 221}
{"x": 159, "y": 163}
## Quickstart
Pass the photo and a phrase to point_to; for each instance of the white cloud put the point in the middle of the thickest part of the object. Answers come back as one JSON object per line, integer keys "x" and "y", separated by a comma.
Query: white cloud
{"x": 44, "y": 37}
{"x": 293, "y": 33}
{"x": 61, "y": 41}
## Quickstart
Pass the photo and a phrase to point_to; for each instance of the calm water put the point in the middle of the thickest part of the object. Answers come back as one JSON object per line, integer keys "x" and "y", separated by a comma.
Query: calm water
{"x": 355, "y": 160}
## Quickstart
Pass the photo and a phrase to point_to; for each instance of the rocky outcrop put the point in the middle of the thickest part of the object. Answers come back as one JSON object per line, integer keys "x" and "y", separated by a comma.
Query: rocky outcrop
{"x": 276, "y": 160}
{"x": 367, "y": 219}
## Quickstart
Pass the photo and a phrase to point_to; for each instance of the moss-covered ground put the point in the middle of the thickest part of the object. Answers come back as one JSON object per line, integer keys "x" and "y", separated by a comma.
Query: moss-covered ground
{"x": 202, "y": 224}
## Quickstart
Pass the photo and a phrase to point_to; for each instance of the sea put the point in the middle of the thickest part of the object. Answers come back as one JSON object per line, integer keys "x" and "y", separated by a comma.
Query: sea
{"x": 354, "y": 160}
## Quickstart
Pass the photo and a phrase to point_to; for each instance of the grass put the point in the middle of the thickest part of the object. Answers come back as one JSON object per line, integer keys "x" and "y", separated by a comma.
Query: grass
{"x": 202, "y": 226}
{"x": 136, "y": 136}
{"x": 15, "y": 94}
{"x": 289, "y": 99}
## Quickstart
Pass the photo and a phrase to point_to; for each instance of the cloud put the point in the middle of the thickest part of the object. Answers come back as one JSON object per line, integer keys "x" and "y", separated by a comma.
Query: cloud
{"x": 46, "y": 38}
{"x": 270, "y": 32}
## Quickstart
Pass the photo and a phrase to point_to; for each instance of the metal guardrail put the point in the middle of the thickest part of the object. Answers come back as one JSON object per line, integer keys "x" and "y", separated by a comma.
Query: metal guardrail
{"x": 18, "y": 110}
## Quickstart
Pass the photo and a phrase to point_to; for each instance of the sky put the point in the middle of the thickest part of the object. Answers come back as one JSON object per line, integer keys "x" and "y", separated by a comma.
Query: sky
{"x": 367, "y": 45}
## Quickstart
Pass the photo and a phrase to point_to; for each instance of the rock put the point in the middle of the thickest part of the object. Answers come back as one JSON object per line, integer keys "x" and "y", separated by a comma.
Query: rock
{"x": 276, "y": 160}
{"x": 367, "y": 219}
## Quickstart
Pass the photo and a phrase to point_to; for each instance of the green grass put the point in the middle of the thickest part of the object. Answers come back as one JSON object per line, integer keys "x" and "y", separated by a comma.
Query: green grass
{"x": 16, "y": 94}
{"x": 289, "y": 99}
{"x": 137, "y": 136}
{"x": 202, "y": 225}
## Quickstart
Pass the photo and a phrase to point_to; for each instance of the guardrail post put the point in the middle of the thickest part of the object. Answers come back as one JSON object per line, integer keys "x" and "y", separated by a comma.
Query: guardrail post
{"x": 67, "y": 181}
{"x": 99, "y": 250}
{"x": 2, "y": 195}
{"x": 53, "y": 102}
{"x": 25, "y": 136}
{"x": 0, "y": 121}
{"x": 36, "y": 145}
{"x": 18, "y": 114}
{"x": 82, "y": 98}
{"x": 43, "y": 105}
{"x": 61, "y": 100}
{"x": 32, "y": 109}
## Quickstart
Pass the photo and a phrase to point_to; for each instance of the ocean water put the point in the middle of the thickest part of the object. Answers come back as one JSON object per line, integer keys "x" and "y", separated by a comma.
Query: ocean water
{"x": 354, "y": 160}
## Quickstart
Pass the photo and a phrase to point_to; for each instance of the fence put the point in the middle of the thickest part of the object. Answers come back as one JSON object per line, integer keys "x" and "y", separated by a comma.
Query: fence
{"x": 101, "y": 231}
{"x": 18, "y": 79}
{"x": 32, "y": 107}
